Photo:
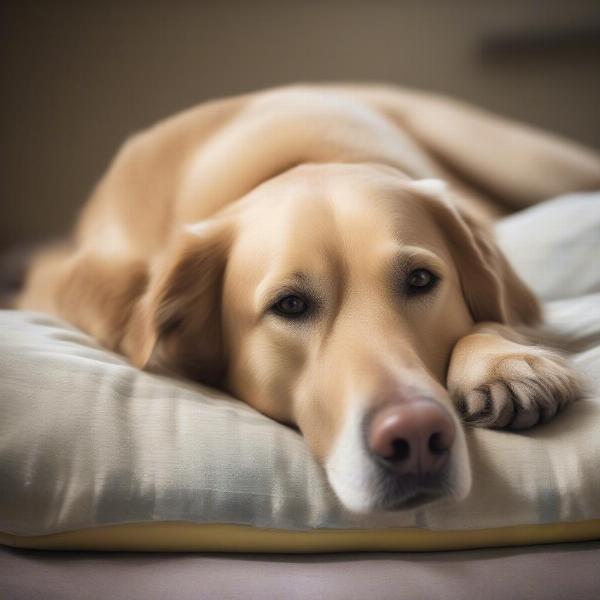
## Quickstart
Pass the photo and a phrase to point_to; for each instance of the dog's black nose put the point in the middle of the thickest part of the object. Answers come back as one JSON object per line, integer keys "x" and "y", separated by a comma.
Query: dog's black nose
{"x": 413, "y": 438}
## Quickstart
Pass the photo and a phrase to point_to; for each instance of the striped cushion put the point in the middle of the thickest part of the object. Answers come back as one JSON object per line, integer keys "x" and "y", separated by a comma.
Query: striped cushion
{"x": 96, "y": 454}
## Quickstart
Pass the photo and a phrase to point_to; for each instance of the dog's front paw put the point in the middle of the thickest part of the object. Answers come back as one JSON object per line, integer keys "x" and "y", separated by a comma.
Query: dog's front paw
{"x": 515, "y": 390}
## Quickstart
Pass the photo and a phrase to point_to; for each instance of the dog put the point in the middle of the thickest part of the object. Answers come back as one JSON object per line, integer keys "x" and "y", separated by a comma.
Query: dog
{"x": 322, "y": 252}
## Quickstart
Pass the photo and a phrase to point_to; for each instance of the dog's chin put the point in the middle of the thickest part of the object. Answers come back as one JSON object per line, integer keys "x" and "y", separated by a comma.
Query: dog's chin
{"x": 419, "y": 498}
{"x": 374, "y": 489}
{"x": 389, "y": 496}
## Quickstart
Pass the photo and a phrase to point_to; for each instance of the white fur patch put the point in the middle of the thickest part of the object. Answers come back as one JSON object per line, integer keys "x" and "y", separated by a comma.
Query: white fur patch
{"x": 350, "y": 471}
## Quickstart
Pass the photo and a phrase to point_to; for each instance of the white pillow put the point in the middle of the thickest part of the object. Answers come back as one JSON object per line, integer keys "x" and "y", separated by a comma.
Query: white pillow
{"x": 86, "y": 440}
{"x": 555, "y": 246}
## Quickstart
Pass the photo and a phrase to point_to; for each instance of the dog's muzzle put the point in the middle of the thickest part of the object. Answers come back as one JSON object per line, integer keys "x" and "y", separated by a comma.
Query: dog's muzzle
{"x": 401, "y": 453}
{"x": 410, "y": 444}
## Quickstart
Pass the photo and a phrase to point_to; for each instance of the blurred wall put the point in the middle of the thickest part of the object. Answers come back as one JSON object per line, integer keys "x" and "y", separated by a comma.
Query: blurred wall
{"x": 78, "y": 77}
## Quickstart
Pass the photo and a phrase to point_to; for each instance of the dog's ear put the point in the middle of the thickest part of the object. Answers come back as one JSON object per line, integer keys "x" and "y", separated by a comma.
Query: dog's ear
{"x": 492, "y": 289}
{"x": 176, "y": 326}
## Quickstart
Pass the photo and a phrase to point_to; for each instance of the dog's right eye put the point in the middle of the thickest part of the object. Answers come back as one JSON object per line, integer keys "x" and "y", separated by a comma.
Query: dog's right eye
{"x": 420, "y": 281}
{"x": 291, "y": 306}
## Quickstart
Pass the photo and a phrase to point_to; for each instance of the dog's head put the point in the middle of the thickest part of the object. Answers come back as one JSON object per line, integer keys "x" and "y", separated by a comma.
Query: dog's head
{"x": 330, "y": 298}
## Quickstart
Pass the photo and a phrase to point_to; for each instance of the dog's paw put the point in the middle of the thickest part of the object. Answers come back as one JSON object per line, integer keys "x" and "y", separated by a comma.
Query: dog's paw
{"x": 517, "y": 390}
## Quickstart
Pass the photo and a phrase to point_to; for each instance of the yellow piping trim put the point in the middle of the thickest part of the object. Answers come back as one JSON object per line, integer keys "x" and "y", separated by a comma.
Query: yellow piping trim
{"x": 200, "y": 537}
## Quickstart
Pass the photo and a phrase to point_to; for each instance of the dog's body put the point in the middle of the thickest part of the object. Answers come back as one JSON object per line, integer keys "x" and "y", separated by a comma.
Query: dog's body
{"x": 292, "y": 247}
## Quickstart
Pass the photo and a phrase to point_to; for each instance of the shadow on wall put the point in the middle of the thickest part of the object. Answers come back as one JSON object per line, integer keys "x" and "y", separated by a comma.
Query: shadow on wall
{"x": 77, "y": 78}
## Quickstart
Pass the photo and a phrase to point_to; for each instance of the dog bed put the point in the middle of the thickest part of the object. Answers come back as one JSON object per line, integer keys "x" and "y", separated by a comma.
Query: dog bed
{"x": 95, "y": 454}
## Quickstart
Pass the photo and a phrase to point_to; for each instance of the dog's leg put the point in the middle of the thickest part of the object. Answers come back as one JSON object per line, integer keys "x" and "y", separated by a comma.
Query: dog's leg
{"x": 516, "y": 163}
{"x": 97, "y": 293}
{"x": 499, "y": 380}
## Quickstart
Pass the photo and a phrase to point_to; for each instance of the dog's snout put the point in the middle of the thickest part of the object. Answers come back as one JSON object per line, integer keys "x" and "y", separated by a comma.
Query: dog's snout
{"x": 414, "y": 438}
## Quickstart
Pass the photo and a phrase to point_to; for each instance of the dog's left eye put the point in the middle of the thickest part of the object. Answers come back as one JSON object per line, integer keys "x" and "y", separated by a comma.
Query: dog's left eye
{"x": 291, "y": 306}
{"x": 420, "y": 281}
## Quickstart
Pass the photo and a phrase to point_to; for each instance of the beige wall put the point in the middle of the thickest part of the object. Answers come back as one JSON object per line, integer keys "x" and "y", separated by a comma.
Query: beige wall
{"x": 78, "y": 77}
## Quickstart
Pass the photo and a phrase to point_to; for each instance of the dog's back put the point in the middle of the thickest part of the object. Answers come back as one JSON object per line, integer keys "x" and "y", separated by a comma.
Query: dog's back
{"x": 193, "y": 165}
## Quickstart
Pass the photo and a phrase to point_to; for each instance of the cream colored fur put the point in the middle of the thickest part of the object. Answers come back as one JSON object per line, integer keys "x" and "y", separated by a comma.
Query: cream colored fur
{"x": 337, "y": 193}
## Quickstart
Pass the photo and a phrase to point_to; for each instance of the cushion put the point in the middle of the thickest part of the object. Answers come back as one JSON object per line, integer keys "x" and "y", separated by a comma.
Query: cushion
{"x": 555, "y": 245}
{"x": 96, "y": 454}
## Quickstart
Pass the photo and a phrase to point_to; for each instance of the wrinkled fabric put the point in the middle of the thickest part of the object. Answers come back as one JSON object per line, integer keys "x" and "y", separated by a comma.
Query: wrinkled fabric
{"x": 88, "y": 440}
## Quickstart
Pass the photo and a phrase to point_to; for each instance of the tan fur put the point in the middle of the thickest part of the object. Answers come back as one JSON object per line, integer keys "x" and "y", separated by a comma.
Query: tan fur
{"x": 200, "y": 219}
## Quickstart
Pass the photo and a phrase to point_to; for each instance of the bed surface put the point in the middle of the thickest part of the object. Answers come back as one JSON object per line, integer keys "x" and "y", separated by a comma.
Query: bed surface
{"x": 554, "y": 572}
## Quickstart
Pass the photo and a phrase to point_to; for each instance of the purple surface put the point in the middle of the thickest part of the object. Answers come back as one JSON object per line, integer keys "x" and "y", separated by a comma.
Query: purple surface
{"x": 555, "y": 572}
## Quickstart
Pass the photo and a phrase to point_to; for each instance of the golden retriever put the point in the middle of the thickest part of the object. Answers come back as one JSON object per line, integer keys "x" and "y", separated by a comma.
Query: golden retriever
{"x": 320, "y": 253}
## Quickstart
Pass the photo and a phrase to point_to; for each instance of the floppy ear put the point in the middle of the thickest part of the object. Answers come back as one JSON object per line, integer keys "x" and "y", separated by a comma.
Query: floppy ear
{"x": 492, "y": 289}
{"x": 176, "y": 326}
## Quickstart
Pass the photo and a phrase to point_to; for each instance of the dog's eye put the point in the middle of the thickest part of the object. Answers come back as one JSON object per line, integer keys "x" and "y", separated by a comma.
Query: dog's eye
{"x": 291, "y": 306}
{"x": 420, "y": 281}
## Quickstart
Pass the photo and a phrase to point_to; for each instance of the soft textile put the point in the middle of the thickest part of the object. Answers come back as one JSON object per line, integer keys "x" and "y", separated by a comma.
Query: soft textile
{"x": 556, "y": 572}
{"x": 86, "y": 440}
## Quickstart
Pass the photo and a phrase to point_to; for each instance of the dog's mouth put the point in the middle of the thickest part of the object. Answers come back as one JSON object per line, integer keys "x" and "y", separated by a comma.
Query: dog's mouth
{"x": 385, "y": 491}
{"x": 393, "y": 494}
{"x": 418, "y": 499}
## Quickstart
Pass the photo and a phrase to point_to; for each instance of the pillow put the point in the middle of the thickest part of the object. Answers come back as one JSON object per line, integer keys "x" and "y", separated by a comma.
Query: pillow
{"x": 95, "y": 454}
{"x": 555, "y": 246}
